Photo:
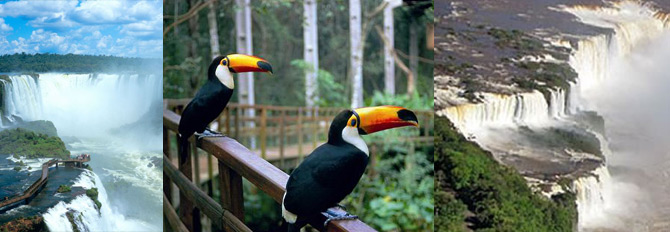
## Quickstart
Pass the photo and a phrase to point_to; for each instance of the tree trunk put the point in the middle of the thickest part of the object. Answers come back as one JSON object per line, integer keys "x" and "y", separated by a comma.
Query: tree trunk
{"x": 311, "y": 51}
{"x": 193, "y": 48}
{"x": 245, "y": 94}
{"x": 414, "y": 49}
{"x": 213, "y": 30}
{"x": 389, "y": 65}
{"x": 245, "y": 88}
{"x": 356, "y": 69}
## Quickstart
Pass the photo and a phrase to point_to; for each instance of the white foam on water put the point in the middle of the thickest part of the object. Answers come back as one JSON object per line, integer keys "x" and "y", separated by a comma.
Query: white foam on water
{"x": 86, "y": 215}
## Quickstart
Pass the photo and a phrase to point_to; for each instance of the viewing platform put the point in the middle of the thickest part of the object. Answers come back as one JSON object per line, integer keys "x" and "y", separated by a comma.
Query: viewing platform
{"x": 8, "y": 203}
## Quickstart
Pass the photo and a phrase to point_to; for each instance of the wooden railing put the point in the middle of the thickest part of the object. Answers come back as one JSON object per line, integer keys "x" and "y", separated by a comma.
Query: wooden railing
{"x": 234, "y": 163}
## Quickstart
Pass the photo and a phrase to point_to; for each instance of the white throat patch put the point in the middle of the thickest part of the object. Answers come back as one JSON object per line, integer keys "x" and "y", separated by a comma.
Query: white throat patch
{"x": 351, "y": 136}
{"x": 224, "y": 76}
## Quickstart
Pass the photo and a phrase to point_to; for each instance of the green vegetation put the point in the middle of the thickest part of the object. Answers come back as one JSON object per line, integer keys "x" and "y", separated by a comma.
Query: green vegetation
{"x": 71, "y": 63}
{"x": 25, "y": 224}
{"x": 64, "y": 188}
{"x": 17, "y": 168}
{"x": 40, "y": 127}
{"x": 496, "y": 196}
{"x": 515, "y": 39}
{"x": 397, "y": 193}
{"x": 70, "y": 218}
{"x": 93, "y": 194}
{"x": 22, "y": 142}
{"x": 449, "y": 212}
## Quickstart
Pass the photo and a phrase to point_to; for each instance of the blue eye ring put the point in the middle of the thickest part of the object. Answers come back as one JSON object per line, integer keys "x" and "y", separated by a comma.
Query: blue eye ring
{"x": 353, "y": 122}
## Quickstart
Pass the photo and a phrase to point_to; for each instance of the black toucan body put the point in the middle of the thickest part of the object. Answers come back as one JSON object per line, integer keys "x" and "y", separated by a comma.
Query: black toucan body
{"x": 214, "y": 95}
{"x": 332, "y": 170}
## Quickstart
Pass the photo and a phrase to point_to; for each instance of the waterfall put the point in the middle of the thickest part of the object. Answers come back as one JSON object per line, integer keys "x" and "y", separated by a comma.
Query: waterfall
{"x": 557, "y": 102}
{"x": 21, "y": 98}
{"x": 591, "y": 196}
{"x": 85, "y": 213}
{"x": 632, "y": 23}
{"x": 81, "y": 104}
{"x": 501, "y": 110}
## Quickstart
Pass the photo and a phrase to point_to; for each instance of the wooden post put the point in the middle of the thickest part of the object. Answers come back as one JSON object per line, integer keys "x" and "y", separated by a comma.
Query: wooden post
{"x": 264, "y": 118}
{"x": 281, "y": 138}
{"x": 230, "y": 186}
{"x": 299, "y": 126}
{"x": 196, "y": 164}
{"x": 210, "y": 174}
{"x": 228, "y": 121}
{"x": 237, "y": 122}
{"x": 186, "y": 210}
{"x": 316, "y": 127}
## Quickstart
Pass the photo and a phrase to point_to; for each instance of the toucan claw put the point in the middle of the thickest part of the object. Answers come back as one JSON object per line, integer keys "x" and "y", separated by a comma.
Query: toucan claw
{"x": 335, "y": 216}
{"x": 208, "y": 133}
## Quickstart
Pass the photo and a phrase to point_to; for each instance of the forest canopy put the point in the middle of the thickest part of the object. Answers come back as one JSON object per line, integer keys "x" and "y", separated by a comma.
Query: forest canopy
{"x": 22, "y": 142}
{"x": 22, "y": 62}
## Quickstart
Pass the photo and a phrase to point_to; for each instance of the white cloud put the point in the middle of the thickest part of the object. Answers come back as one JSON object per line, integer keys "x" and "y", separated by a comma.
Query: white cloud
{"x": 116, "y": 12}
{"x": 119, "y": 28}
{"x": 3, "y": 26}
{"x": 35, "y": 9}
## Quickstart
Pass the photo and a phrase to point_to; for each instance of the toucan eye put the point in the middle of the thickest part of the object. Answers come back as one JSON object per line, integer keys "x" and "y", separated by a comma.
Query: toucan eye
{"x": 224, "y": 62}
{"x": 353, "y": 122}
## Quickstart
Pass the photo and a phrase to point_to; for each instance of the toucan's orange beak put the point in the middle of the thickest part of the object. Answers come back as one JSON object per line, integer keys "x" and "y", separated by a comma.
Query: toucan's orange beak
{"x": 244, "y": 63}
{"x": 379, "y": 118}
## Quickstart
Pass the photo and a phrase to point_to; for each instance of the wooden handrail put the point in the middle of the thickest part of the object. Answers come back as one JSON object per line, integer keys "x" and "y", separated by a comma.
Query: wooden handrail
{"x": 244, "y": 163}
{"x": 172, "y": 219}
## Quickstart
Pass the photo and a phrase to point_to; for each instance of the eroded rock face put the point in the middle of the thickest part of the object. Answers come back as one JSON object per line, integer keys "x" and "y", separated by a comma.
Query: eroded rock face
{"x": 30, "y": 224}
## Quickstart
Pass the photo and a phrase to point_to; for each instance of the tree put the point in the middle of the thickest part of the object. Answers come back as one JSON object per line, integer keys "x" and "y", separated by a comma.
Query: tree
{"x": 311, "y": 50}
{"x": 356, "y": 70}
{"x": 244, "y": 46}
{"x": 213, "y": 31}
{"x": 389, "y": 64}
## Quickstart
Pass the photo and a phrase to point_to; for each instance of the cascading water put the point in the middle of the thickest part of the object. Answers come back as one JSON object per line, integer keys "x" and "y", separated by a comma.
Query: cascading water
{"x": 500, "y": 110}
{"x": 22, "y": 99}
{"x": 116, "y": 119}
{"x": 86, "y": 215}
{"x": 596, "y": 61}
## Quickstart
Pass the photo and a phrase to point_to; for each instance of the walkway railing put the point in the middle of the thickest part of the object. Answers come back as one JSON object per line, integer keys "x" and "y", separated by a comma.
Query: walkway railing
{"x": 234, "y": 163}
{"x": 39, "y": 183}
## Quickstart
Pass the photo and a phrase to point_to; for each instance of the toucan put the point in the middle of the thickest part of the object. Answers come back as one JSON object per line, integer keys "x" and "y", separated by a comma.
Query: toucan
{"x": 332, "y": 170}
{"x": 214, "y": 95}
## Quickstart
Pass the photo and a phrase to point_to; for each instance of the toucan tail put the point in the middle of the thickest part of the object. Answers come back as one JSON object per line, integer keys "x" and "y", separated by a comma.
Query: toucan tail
{"x": 294, "y": 227}
{"x": 183, "y": 145}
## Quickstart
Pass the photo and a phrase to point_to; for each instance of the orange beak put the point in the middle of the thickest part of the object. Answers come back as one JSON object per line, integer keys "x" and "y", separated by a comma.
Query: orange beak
{"x": 246, "y": 63}
{"x": 379, "y": 118}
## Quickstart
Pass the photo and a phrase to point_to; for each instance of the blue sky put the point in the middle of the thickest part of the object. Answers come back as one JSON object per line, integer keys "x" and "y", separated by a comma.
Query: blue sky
{"x": 119, "y": 28}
